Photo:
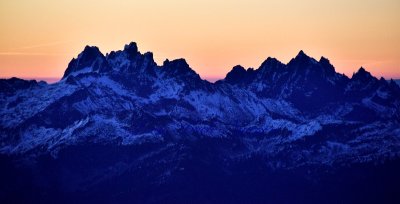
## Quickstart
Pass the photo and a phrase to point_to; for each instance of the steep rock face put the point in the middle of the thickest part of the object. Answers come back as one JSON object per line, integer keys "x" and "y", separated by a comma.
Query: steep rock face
{"x": 237, "y": 75}
{"x": 131, "y": 62}
{"x": 121, "y": 117}
{"x": 179, "y": 68}
{"x": 90, "y": 60}
{"x": 362, "y": 84}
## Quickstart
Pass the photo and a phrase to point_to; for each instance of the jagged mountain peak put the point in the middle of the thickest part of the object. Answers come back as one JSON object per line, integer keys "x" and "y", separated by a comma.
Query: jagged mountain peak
{"x": 302, "y": 61}
{"x": 130, "y": 61}
{"x": 362, "y": 75}
{"x": 302, "y": 55}
{"x": 91, "y": 50}
{"x": 269, "y": 79}
{"x": 180, "y": 61}
{"x": 270, "y": 62}
{"x": 362, "y": 70}
{"x": 326, "y": 65}
{"x": 310, "y": 67}
{"x": 324, "y": 60}
{"x": 238, "y": 68}
{"x": 178, "y": 67}
{"x": 89, "y": 60}
{"x": 131, "y": 49}
{"x": 89, "y": 53}
{"x": 236, "y": 75}
{"x": 132, "y": 46}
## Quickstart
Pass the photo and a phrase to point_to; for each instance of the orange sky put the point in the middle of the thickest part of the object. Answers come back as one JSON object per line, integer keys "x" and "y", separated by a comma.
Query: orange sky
{"x": 39, "y": 37}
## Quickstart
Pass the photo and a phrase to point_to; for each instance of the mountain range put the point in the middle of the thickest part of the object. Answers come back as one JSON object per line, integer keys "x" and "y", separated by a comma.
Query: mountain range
{"x": 121, "y": 128}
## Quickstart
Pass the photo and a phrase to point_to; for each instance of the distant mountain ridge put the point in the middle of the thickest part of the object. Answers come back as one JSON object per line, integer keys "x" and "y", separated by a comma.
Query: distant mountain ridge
{"x": 122, "y": 117}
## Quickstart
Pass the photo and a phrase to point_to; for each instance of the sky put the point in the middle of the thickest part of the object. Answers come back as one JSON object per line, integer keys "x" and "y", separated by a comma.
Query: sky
{"x": 39, "y": 37}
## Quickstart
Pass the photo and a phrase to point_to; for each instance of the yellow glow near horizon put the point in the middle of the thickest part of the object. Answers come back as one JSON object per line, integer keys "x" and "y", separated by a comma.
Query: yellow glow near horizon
{"x": 39, "y": 37}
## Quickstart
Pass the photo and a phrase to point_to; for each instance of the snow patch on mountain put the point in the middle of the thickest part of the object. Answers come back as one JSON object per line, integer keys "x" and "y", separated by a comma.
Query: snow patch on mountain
{"x": 302, "y": 111}
{"x": 25, "y": 104}
{"x": 45, "y": 138}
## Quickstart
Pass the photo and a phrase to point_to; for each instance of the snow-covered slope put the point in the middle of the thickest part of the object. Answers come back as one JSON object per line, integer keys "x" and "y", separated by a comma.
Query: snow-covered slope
{"x": 291, "y": 115}
{"x": 135, "y": 97}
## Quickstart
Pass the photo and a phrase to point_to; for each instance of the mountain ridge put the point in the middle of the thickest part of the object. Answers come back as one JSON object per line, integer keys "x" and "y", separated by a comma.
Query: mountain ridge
{"x": 122, "y": 117}
{"x": 133, "y": 50}
{"x": 305, "y": 85}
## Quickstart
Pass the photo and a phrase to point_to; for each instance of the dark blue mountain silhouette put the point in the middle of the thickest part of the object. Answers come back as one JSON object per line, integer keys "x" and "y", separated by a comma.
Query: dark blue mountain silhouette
{"x": 119, "y": 128}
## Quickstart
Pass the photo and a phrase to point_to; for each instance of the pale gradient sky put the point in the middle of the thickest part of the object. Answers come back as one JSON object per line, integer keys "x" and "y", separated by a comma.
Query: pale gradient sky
{"x": 39, "y": 37}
